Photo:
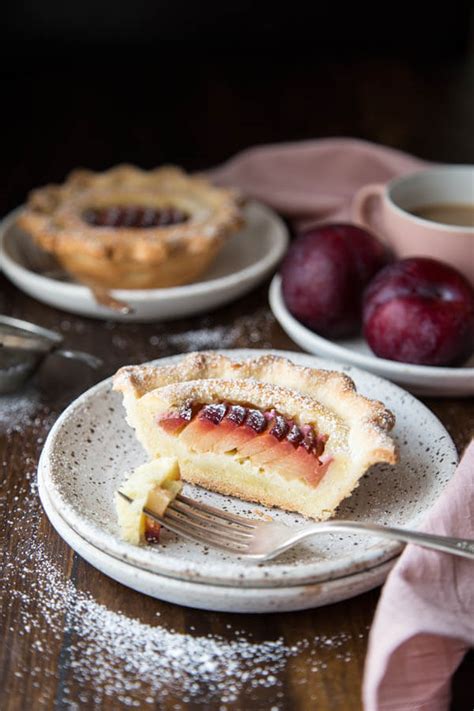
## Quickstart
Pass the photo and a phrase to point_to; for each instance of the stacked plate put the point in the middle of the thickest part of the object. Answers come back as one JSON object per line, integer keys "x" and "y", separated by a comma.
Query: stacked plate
{"x": 91, "y": 449}
{"x": 244, "y": 261}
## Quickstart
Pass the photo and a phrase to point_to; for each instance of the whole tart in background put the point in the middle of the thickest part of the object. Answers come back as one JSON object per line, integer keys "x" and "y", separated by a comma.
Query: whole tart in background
{"x": 132, "y": 229}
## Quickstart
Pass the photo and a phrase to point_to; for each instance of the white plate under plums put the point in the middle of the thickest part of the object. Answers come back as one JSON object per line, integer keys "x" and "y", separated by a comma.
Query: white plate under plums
{"x": 245, "y": 260}
{"x": 91, "y": 449}
{"x": 419, "y": 379}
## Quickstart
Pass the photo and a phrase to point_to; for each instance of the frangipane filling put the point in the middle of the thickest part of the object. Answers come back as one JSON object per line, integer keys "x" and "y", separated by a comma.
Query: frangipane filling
{"x": 267, "y": 438}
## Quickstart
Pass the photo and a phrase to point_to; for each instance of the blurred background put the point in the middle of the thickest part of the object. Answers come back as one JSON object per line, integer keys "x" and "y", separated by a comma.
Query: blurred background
{"x": 96, "y": 83}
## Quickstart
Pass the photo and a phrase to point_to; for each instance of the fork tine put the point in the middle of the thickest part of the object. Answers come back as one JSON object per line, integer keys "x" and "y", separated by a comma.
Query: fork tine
{"x": 184, "y": 526}
{"x": 214, "y": 522}
{"x": 207, "y": 526}
{"x": 195, "y": 533}
{"x": 218, "y": 513}
{"x": 196, "y": 536}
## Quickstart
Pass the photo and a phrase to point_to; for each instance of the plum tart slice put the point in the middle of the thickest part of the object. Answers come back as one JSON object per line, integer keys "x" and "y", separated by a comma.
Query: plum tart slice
{"x": 264, "y": 429}
{"x": 132, "y": 229}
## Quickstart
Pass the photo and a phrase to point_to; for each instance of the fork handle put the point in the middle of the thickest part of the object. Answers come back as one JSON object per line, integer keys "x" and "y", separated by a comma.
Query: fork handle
{"x": 463, "y": 547}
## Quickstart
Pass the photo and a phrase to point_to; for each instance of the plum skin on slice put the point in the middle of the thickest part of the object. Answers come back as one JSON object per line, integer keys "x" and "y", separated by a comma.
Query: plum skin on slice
{"x": 152, "y": 530}
{"x": 266, "y": 438}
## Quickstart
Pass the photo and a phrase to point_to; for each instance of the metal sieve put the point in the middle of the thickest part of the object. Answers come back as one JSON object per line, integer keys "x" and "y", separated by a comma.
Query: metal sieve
{"x": 23, "y": 347}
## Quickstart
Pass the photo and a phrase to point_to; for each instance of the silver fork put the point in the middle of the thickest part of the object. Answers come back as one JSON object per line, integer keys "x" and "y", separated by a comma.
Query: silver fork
{"x": 262, "y": 540}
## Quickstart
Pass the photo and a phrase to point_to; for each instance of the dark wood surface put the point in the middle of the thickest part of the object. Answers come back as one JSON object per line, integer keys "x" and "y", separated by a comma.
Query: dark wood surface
{"x": 208, "y": 113}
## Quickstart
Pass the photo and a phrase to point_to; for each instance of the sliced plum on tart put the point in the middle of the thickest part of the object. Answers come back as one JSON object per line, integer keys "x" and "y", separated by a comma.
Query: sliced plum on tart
{"x": 265, "y": 438}
{"x": 264, "y": 430}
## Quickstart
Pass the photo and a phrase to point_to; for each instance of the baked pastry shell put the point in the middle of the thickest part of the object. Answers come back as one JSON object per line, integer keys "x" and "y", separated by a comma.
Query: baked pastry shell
{"x": 358, "y": 428}
{"x": 132, "y": 257}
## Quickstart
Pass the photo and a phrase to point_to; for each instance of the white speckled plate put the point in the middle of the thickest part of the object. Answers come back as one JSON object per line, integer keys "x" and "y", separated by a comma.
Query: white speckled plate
{"x": 91, "y": 448}
{"x": 244, "y": 261}
{"x": 218, "y": 598}
{"x": 419, "y": 379}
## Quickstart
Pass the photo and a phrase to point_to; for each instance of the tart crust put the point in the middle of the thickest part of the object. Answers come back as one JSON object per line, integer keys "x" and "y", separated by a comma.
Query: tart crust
{"x": 132, "y": 257}
{"x": 356, "y": 427}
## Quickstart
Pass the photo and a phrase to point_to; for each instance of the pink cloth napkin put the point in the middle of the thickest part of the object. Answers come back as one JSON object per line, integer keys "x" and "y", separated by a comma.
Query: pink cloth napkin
{"x": 425, "y": 619}
{"x": 311, "y": 181}
{"x": 424, "y": 623}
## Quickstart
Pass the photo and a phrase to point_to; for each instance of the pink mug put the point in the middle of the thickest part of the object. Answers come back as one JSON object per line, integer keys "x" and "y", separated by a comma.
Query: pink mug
{"x": 385, "y": 210}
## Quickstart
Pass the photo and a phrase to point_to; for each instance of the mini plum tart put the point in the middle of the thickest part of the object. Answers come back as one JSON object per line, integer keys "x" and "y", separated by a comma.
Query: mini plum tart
{"x": 132, "y": 229}
{"x": 263, "y": 429}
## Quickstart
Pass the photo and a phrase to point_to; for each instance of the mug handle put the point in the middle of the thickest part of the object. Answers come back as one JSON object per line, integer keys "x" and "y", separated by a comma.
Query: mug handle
{"x": 360, "y": 204}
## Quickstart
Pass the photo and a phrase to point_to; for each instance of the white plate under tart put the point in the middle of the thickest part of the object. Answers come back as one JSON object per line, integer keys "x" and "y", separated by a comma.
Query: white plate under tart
{"x": 217, "y": 598}
{"x": 245, "y": 260}
{"x": 419, "y": 379}
{"x": 91, "y": 448}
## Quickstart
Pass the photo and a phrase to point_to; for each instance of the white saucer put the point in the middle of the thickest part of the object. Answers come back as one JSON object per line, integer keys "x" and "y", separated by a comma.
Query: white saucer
{"x": 91, "y": 448}
{"x": 419, "y": 379}
{"x": 245, "y": 260}
{"x": 217, "y": 598}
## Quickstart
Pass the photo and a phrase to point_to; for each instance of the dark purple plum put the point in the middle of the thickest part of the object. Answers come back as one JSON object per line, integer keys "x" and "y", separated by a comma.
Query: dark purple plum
{"x": 324, "y": 275}
{"x": 421, "y": 311}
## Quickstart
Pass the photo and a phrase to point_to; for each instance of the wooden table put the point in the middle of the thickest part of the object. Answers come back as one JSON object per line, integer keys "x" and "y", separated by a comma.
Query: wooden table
{"x": 393, "y": 101}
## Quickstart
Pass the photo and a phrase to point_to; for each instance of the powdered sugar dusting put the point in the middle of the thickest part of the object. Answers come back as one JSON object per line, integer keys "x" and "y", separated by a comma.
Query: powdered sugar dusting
{"x": 111, "y": 655}
{"x": 246, "y": 330}
{"x": 23, "y": 411}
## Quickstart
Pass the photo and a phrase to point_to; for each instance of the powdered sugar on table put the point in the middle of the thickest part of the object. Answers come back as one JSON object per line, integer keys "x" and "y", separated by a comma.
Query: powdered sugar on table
{"x": 133, "y": 662}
